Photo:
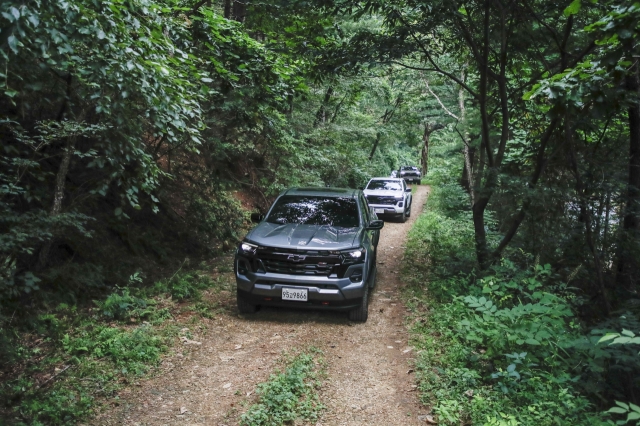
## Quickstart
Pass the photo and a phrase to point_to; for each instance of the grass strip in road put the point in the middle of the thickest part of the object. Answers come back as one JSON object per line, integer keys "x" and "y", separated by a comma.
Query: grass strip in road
{"x": 290, "y": 395}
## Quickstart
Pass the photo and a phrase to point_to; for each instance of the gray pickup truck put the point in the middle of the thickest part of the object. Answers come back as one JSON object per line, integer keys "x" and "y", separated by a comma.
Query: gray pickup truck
{"x": 315, "y": 248}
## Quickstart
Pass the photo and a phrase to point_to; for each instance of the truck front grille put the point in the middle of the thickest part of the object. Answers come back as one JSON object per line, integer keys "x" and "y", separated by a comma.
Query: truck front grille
{"x": 282, "y": 261}
{"x": 374, "y": 199}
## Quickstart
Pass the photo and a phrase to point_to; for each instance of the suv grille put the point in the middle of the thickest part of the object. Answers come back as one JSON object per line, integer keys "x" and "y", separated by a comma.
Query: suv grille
{"x": 374, "y": 199}
{"x": 312, "y": 262}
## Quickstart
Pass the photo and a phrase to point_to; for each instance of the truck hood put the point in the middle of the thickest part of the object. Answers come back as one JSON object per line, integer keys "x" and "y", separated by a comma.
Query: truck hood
{"x": 304, "y": 237}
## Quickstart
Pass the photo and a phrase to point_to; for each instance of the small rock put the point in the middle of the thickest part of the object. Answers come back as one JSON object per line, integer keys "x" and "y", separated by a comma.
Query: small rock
{"x": 183, "y": 410}
{"x": 389, "y": 347}
{"x": 227, "y": 386}
{"x": 427, "y": 418}
{"x": 238, "y": 347}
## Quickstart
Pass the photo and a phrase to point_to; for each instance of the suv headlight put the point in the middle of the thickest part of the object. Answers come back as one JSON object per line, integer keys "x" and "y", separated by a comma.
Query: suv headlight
{"x": 248, "y": 248}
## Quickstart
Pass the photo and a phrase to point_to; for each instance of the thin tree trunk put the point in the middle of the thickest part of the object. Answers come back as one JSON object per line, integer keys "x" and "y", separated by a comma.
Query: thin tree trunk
{"x": 227, "y": 9}
{"x": 375, "y": 146}
{"x": 321, "y": 115}
{"x": 58, "y": 196}
{"x": 467, "y": 170}
{"x": 424, "y": 158}
{"x": 239, "y": 10}
{"x": 628, "y": 267}
{"x": 586, "y": 214}
{"x": 605, "y": 237}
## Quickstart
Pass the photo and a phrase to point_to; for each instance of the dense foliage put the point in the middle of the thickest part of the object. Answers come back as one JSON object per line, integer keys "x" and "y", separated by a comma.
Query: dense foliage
{"x": 508, "y": 347}
{"x": 137, "y": 133}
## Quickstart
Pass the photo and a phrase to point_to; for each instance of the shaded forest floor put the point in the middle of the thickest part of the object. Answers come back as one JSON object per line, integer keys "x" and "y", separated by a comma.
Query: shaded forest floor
{"x": 210, "y": 375}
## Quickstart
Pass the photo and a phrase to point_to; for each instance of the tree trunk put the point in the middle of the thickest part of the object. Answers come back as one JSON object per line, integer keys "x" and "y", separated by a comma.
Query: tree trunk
{"x": 58, "y": 196}
{"x": 375, "y": 146}
{"x": 321, "y": 115}
{"x": 239, "y": 10}
{"x": 585, "y": 213}
{"x": 424, "y": 158}
{"x": 227, "y": 9}
{"x": 628, "y": 265}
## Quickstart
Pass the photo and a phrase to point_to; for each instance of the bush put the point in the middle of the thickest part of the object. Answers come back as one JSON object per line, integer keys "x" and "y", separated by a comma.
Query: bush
{"x": 495, "y": 350}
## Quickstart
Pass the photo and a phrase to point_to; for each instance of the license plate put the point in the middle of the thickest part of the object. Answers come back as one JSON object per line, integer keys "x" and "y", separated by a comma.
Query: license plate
{"x": 296, "y": 294}
{"x": 379, "y": 211}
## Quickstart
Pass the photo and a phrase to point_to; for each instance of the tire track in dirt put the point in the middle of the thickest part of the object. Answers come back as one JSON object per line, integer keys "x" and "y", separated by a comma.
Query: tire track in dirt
{"x": 212, "y": 380}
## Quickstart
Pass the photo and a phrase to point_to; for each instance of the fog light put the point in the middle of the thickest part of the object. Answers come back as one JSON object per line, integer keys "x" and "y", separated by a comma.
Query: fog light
{"x": 356, "y": 276}
{"x": 242, "y": 268}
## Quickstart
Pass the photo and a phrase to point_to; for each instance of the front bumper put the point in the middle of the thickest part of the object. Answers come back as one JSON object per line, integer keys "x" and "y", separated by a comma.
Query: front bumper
{"x": 386, "y": 209}
{"x": 323, "y": 292}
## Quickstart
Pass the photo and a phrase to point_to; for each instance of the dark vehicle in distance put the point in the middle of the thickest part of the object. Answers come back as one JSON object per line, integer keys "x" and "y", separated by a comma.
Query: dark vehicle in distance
{"x": 411, "y": 174}
{"x": 315, "y": 248}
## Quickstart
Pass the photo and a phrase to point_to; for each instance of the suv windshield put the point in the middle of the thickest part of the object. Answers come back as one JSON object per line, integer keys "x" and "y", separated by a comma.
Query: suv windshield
{"x": 305, "y": 210}
{"x": 409, "y": 168}
{"x": 387, "y": 185}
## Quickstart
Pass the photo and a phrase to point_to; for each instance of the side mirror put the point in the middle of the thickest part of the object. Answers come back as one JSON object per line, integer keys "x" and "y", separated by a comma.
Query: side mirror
{"x": 407, "y": 190}
{"x": 375, "y": 225}
{"x": 256, "y": 217}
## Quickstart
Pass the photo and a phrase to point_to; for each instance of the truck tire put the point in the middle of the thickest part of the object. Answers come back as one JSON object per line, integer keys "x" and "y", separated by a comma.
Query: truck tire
{"x": 361, "y": 313}
{"x": 244, "y": 306}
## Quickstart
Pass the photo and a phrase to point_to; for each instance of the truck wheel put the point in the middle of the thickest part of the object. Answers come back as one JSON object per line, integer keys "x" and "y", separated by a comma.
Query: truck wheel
{"x": 361, "y": 313}
{"x": 244, "y": 306}
{"x": 403, "y": 217}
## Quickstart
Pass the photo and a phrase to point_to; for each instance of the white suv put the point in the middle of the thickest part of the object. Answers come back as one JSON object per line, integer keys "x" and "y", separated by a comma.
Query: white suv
{"x": 389, "y": 197}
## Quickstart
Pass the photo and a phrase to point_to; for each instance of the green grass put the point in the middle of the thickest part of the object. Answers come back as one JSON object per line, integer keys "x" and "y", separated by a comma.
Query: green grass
{"x": 289, "y": 395}
{"x": 67, "y": 362}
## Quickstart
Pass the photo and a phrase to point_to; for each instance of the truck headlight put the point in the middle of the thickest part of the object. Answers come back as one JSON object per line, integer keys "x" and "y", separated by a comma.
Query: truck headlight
{"x": 247, "y": 248}
{"x": 354, "y": 255}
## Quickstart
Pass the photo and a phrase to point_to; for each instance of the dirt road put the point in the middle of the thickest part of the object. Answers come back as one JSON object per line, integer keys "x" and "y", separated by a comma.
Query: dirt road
{"x": 211, "y": 378}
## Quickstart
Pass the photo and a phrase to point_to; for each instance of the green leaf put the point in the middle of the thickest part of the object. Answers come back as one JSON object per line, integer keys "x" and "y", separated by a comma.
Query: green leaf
{"x": 617, "y": 410}
{"x": 609, "y": 336}
{"x": 627, "y": 333}
{"x": 633, "y": 416}
{"x": 13, "y": 43}
{"x": 573, "y": 8}
{"x": 623, "y": 405}
{"x": 532, "y": 342}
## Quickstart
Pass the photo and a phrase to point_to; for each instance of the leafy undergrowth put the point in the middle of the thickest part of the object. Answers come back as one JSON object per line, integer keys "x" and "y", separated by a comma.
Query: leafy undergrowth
{"x": 290, "y": 395}
{"x": 504, "y": 349}
{"x": 68, "y": 362}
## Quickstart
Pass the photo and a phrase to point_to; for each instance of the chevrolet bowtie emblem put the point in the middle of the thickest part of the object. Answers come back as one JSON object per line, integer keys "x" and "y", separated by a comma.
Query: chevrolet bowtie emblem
{"x": 296, "y": 258}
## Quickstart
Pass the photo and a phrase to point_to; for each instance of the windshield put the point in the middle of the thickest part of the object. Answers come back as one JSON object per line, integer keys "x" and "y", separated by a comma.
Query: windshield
{"x": 387, "y": 185}
{"x": 306, "y": 210}
{"x": 409, "y": 168}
